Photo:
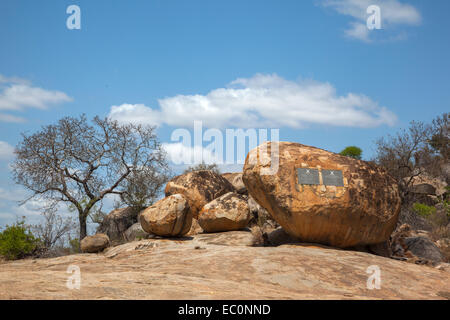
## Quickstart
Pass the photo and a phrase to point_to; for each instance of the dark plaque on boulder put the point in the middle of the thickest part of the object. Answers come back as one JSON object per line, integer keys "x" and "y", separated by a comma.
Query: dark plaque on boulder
{"x": 332, "y": 178}
{"x": 308, "y": 176}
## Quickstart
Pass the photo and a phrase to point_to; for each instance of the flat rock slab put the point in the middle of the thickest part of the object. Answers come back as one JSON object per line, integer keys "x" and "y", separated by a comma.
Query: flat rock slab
{"x": 194, "y": 268}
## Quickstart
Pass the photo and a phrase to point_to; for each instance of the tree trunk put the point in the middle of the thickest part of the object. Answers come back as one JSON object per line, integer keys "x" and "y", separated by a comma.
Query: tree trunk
{"x": 82, "y": 219}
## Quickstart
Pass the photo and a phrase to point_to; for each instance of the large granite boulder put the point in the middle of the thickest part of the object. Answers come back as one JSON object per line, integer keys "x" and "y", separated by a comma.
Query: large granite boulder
{"x": 235, "y": 178}
{"x": 199, "y": 188}
{"x": 332, "y": 200}
{"x": 227, "y": 213}
{"x": 116, "y": 223}
{"x": 169, "y": 217}
{"x": 95, "y": 243}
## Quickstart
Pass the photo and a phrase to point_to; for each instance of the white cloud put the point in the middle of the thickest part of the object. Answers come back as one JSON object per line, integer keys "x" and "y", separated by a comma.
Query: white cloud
{"x": 183, "y": 157}
{"x": 10, "y": 118}
{"x": 18, "y": 94}
{"x": 6, "y": 151}
{"x": 262, "y": 101}
{"x": 358, "y": 31}
{"x": 135, "y": 113}
{"x": 393, "y": 13}
{"x": 179, "y": 153}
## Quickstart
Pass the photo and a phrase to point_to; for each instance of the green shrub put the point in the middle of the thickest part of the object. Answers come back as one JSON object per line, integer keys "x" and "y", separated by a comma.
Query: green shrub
{"x": 17, "y": 241}
{"x": 423, "y": 210}
{"x": 74, "y": 245}
{"x": 352, "y": 152}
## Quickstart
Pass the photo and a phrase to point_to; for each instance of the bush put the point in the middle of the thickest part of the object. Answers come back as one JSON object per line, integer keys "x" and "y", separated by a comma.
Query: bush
{"x": 203, "y": 166}
{"x": 423, "y": 210}
{"x": 17, "y": 241}
{"x": 74, "y": 246}
{"x": 352, "y": 152}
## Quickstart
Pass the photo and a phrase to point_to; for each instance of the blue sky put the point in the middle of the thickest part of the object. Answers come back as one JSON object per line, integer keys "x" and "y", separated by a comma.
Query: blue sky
{"x": 312, "y": 69}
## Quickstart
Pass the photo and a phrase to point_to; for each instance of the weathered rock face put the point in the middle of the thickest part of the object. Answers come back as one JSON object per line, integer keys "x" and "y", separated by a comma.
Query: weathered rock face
{"x": 199, "y": 188}
{"x": 117, "y": 222}
{"x": 195, "y": 228}
{"x": 135, "y": 232}
{"x": 414, "y": 246}
{"x": 426, "y": 184}
{"x": 241, "y": 238}
{"x": 226, "y": 213}
{"x": 279, "y": 237}
{"x": 361, "y": 208}
{"x": 423, "y": 247}
{"x": 423, "y": 188}
{"x": 261, "y": 216}
{"x": 95, "y": 243}
{"x": 235, "y": 178}
{"x": 169, "y": 217}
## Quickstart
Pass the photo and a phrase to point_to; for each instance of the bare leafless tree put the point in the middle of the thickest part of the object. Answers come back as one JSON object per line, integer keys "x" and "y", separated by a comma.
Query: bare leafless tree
{"x": 440, "y": 138}
{"x": 53, "y": 229}
{"x": 143, "y": 187}
{"x": 74, "y": 160}
{"x": 404, "y": 154}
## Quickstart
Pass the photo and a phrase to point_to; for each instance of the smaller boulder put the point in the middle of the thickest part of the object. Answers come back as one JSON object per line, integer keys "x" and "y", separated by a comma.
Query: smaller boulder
{"x": 227, "y": 213}
{"x": 199, "y": 188}
{"x": 117, "y": 222}
{"x": 95, "y": 243}
{"x": 135, "y": 232}
{"x": 424, "y": 188}
{"x": 169, "y": 217}
{"x": 235, "y": 178}
{"x": 424, "y": 248}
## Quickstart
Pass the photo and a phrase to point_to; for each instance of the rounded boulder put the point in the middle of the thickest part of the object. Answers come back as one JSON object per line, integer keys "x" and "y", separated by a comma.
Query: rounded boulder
{"x": 169, "y": 217}
{"x": 95, "y": 243}
{"x": 199, "y": 188}
{"x": 323, "y": 197}
{"x": 229, "y": 212}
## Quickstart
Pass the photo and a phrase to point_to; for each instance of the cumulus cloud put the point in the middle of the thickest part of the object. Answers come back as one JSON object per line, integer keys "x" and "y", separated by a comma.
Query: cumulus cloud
{"x": 18, "y": 94}
{"x": 393, "y": 13}
{"x": 183, "y": 157}
{"x": 262, "y": 101}
{"x": 6, "y": 151}
{"x": 178, "y": 153}
{"x": 135, "y": 113}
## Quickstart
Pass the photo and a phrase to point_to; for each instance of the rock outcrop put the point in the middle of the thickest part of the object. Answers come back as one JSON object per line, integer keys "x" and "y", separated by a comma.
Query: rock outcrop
{"x": 359, "y": 206}
{"x": 117, "y": 222}
{"x": 199, "y": 188}
{"x": 210, "y": 267}
{"x": 235, "y": 178}
{"x": 169, "y": 217}
{"x": 226, "y": 213}
{"x": 95, "y": 243}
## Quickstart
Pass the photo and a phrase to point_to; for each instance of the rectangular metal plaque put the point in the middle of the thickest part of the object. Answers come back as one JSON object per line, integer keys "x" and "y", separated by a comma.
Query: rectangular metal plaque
{"x": 308, "y": 176}
{"x": 332, "y": 178}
